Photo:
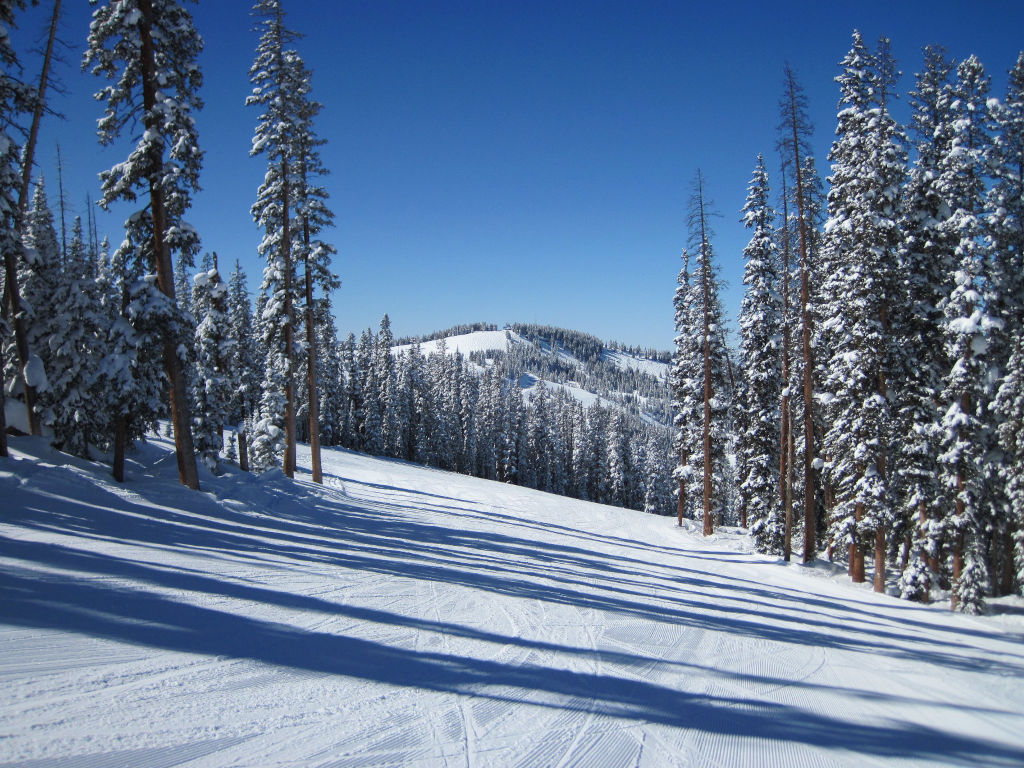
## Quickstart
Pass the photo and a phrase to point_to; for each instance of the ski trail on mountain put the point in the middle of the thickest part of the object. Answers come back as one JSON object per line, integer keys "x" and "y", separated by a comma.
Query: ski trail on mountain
{"x": 405, "y": 616}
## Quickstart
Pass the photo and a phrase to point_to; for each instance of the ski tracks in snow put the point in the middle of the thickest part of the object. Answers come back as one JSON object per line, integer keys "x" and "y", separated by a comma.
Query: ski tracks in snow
{"x": 404, "y": 616}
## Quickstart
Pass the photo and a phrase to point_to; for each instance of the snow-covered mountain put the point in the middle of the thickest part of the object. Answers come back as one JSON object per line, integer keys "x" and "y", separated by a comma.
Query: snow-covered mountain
{"x": 400, "y": 615}
{"x": 588, "y": 369}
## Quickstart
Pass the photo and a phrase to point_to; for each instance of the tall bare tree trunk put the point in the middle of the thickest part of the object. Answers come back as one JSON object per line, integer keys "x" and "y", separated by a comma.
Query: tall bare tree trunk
{"x": 314, "y": 400}
{"x": 181, "y": 417}
{"x": 289, "y": 326}
{"x": 243, "y": 450}
{"x": 13, "y": 299}
{"x": 709, "y": 518}
{"x": 120, "y": 446}
{"x": 810, "y": 517}
{"x": 786, "y": 453}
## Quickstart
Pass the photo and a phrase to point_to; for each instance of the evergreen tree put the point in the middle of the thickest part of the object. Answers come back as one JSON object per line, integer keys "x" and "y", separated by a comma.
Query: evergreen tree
{"x": 1005, "y": 298}
{"x": 686, "y": 390}
{"x": 279, "y": 88}
{"x": 75, "y": 347}
{"x": 965, "y": 429}
{"x": 149, "y": 49}
{"x": 861, "y": 241}
{"x": 925, "y": 262}
{"x": 761, "y": 331}
{"x": 714, "y": 386}
{"x": 39, "y": 276}
{"x": 214, "y": 348}
{"x": 243, "y": 368}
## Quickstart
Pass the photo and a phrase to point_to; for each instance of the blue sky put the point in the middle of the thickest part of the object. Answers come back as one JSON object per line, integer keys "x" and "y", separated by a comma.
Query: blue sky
{"x": 520, "y": 161}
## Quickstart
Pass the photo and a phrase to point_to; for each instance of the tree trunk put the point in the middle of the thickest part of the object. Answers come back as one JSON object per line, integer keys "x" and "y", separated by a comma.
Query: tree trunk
{"x": 243, "y": 450}
{"x": 880, "y": 560}
{"x": 857, "y": 572}
{"x": 786, "y": 454}
{"x": 314, "y": 400}
{"x": 120, "y": 445}
{"x": 810, "y": 513}
{"x": 3, "y": 413}
{"x": 289, "y": 327}
{"x": 10, "y": 262}
{"x": 681, "y": 502}
{"x": 181, "y": 417}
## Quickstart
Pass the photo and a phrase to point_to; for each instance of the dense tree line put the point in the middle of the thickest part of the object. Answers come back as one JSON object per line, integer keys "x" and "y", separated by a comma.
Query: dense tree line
{"x": 881, "y": 334}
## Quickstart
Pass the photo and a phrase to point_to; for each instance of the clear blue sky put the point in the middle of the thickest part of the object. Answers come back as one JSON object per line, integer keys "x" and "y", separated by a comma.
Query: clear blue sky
{"x": 520, "y": 161}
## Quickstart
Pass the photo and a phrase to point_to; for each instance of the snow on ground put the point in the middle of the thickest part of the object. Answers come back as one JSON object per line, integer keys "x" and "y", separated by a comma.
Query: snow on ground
{"x": 476, "y": 341}
{"x": 402, "y": 616}
{"x": 626, "y": 361}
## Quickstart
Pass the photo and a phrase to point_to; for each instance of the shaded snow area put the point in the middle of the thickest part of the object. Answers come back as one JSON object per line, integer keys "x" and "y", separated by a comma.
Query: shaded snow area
{"x": 400, "y": 616}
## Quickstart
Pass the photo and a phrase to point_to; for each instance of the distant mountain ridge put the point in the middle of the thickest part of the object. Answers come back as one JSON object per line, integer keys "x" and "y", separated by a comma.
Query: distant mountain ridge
{"x": 577, "y": 362}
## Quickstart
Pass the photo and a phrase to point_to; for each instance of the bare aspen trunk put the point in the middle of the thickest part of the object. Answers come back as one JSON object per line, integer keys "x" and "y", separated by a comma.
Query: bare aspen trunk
{"x": 181, "y": 417}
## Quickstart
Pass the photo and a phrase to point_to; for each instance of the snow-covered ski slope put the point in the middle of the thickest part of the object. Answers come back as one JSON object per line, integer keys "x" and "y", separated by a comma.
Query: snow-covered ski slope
{"x": 400, "y": 616}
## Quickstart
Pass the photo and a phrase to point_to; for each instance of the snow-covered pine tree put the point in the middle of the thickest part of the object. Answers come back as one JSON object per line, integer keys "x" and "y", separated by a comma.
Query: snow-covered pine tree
{"x": 384, "y": 376}
{"x": 133, "y": 370}
{"x": 75, "y": 349}
{"x": 1009, "y": 405}
{"x": 761, "y": 344}
{"x": 1005, "y": 297}
{"x": 328, "y": 377}
{"x": 861, "y": 241}
{"x": 313, "y": 215}
{"x": 925, "y": 262}
{"x": 243, "y": 368}
{"x": 965, "y": 428}
{"x": 214, "y": 349}
{"x": 686, "y": 377}
{"x": 714, "y": 383}
{"x": 278, "y": 89}
{"x": 16, "y": 101}
{"x": 149, "y": 48}
{"x": 39, "y": 277}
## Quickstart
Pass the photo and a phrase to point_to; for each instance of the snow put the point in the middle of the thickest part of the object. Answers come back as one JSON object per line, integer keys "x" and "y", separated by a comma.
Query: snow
{"x": 35, "y": 373}
{"x": 406, "y": 616}
{"x": 476, "y": 341}
{"x": 626, "y": 361}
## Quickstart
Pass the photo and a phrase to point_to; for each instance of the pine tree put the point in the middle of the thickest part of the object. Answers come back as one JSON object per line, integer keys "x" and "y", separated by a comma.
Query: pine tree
{"x": 861, "y": 240}
{"x": 149, "y": 48}
{"x": 686, "y": 391}
{"x": 75, "y": 347}
{"x": 1005, "y": 297}
{"x": 133, "y": 372}
{"x": 39, "y": 276}
{"x": 795, "y": 131}
{"x": 214, "y": 345}
{"x": 16, "y": 101}
{"x": 714, "y": 387}
{"x": 279, "y": 87}
{"x": 243, "y": 368}
{"x": 925, "y": 261}
{"x": 761, "y": 330}
{"x": 965, "y": 429}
